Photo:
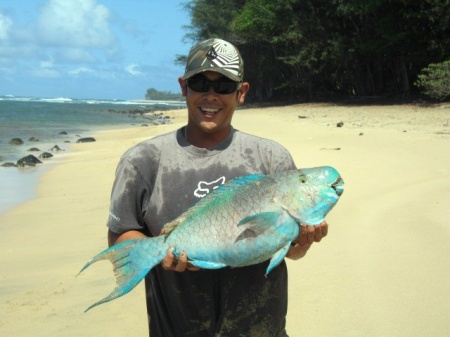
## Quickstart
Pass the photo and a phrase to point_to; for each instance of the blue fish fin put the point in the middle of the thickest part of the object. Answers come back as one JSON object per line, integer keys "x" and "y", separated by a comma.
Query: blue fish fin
{"x": 277, "y": 258}
{"x": 232, "y": 184}
{"x": 207, "y": 264}
{"x": 132, "y": 260}
{"x": 257, "y": 224}
{"x": 170, "y": 226}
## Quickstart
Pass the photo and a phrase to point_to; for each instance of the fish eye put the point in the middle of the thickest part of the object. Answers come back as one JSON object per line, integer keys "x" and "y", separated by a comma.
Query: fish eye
{"x": 303, "y": 180}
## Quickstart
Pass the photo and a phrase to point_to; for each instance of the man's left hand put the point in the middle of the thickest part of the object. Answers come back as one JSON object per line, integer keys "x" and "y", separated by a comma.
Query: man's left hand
{"x": 308, "y": 235}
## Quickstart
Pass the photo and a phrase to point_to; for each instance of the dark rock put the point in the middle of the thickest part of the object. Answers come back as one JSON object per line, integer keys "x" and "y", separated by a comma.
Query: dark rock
{"x": 16, "y": 141}
{"x": 340, "y": 124}
{"x": 33, "y": 149}
{"x": 29, "y": 160}
{"x": 63, "y": 133}
{"x": 33, "y": 139}
{"x": 45, "y": 155}
{"x": 9, "y": 164}
{"x": 56, "y": 148}
{"x": 144, "y": 125}
{"x": 361, "y": 134}
{"x": 86, "y": 140}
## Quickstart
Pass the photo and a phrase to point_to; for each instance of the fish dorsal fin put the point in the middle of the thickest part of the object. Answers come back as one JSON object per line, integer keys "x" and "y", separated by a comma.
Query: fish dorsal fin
{"x": 231, "y": 185}
{"x": 170, "y": 226}
{"x": 255, "y": 225}
{"x": 239, "y": 181}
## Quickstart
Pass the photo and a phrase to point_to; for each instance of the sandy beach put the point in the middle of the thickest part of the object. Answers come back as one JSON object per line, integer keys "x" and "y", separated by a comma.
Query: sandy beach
{"x": 383, "y": 270}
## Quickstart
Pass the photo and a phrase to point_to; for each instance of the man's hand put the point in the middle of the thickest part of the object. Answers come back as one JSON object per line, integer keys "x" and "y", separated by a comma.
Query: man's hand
{"x": 171, "y": 262}
{"x": 308, "y": 235}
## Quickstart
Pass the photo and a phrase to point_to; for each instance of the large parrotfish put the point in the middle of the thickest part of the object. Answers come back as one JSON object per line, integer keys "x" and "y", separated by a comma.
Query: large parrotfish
{"x": 246, "y": 221}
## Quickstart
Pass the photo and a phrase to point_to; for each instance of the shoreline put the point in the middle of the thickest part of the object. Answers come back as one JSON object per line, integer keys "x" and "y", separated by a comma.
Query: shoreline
{"x": 26, "y": 179}
{"x": 387, "y": 249}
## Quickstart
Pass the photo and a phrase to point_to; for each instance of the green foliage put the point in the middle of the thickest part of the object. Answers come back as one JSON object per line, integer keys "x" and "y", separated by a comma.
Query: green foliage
{"x": 305, "y": 49}
{"x": 153, "y": 94}
{"x": 435, "y": 80}
{"x": 256, "y": 19}
{"x": 211, "y": 18}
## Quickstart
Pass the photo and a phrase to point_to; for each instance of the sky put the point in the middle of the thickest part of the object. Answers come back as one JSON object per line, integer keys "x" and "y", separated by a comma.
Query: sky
{"x": 96, "y": 49}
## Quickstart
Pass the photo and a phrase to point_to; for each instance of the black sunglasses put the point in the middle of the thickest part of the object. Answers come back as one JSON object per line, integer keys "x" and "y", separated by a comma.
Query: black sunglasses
{"x": 222, "y": 87}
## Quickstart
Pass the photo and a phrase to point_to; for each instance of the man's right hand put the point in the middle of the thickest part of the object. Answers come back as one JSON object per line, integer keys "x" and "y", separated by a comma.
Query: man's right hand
{"x": 171, "y": 262}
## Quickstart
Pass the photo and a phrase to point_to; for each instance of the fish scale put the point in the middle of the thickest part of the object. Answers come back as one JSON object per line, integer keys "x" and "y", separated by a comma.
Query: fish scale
{"x": 246, "y": 221}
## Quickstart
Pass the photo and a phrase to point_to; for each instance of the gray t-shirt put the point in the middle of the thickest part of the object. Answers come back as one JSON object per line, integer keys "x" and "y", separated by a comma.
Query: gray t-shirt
{"x": 159, "y": 179}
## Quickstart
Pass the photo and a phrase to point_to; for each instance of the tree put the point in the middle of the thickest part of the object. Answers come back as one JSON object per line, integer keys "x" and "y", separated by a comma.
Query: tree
{"x": 435, "y": 80}
{"x": 308, "y": 48}
{"x": 153, "y": 94}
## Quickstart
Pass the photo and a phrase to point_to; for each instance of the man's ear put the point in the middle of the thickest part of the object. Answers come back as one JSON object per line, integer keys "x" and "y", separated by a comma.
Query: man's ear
{"x": 242, "y": 92}
{"x": 183, "y": 86}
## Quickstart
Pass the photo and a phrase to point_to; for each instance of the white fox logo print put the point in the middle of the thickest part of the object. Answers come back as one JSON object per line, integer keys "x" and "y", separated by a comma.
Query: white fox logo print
{"x": 203, "y": 187}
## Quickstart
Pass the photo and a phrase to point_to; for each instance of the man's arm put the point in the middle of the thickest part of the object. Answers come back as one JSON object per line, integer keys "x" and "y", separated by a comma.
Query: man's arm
{"x": 308, "y": 235}
{"x": 114, "y": 238}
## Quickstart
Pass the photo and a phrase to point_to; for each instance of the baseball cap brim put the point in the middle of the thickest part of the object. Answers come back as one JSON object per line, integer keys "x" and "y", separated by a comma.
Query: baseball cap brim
{"x": 225, "y": 73}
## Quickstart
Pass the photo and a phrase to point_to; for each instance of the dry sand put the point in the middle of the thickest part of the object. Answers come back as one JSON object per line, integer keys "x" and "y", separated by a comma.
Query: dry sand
{"x": 383, "y": 270}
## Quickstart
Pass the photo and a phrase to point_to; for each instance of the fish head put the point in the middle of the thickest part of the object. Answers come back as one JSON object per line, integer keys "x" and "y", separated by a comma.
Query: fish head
{"x": 319, "y": 189}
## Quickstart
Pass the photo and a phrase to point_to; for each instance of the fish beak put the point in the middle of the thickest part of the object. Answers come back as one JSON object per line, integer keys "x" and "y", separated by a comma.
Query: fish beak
{"x": 337, "y": 186}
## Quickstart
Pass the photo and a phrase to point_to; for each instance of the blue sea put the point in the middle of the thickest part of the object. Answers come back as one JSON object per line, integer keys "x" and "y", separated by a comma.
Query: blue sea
{"x": 56, "y": 121}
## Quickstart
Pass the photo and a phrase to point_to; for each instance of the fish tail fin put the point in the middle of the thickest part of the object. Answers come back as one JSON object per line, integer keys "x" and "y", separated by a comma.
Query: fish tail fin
{"x": 132, "y": 260}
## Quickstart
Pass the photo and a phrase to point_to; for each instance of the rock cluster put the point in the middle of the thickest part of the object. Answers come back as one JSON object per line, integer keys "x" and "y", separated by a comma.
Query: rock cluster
{"x": 154, "y": 117}
{"x": 32, "y": 160}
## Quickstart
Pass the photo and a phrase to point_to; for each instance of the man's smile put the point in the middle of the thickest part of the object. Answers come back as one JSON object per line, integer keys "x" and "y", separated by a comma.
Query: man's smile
{"x": 209, "y": 111}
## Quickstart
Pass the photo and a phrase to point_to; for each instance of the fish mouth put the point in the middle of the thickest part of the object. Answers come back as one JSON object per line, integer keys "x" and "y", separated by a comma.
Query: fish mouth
{"x": 337, "y": 186}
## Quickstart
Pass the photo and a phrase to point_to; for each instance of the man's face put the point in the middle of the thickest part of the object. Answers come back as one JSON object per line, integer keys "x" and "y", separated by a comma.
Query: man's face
{"x": 209, "y": 111}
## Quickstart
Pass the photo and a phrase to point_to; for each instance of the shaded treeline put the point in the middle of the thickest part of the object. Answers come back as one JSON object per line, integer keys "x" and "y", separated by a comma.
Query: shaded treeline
{"x": 318, "y": 49}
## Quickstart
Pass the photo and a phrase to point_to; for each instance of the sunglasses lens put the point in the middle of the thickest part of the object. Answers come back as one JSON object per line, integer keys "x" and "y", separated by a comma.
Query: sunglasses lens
{"x": 198, "y": 84}
{"x": 220, "y": 87}
{"x": 225, "y": 87}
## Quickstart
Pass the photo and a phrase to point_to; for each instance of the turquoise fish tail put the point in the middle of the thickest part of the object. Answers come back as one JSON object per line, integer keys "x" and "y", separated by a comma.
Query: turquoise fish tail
{"x": 132, "y": 260}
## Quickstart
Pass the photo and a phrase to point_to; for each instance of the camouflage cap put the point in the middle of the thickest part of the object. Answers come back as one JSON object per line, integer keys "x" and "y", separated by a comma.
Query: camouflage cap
{"x": 215, "y": 55}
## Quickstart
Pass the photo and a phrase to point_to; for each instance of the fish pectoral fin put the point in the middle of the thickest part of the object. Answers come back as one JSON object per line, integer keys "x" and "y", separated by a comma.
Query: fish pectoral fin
{"x": 255, "y": 225}
{"x": 207, "y": 264}
{"x": 277, "y": 258}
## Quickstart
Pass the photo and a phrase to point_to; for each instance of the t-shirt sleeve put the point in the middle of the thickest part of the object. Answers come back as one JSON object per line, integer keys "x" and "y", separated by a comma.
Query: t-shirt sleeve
{"x": 263, "y": 155}
{"x": 279, "y": 157}
{"x": 283, "y": 161}
{"x": 128, "y": 194}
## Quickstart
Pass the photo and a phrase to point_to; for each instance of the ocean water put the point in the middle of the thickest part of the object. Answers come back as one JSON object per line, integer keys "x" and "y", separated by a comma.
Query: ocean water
{"x": 56, "y": 121}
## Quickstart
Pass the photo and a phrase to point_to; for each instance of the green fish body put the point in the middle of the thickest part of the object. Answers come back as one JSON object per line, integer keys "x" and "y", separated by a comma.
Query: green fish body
{"x": 246, "y": 221}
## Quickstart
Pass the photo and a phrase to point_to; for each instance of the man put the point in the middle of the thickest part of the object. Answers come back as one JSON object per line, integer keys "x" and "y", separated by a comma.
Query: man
{"x": 160, "y": 178}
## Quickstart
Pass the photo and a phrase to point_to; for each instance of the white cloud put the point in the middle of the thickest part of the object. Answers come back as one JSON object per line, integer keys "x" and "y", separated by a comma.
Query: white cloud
{"x": 133, "y": 69}
{"x": 85, "y": 72}
{"x": 45, "y": 73}
{"x": 5, "y": 25}
{"x": 75, "y": 23}
{"x": 45, "y": 69}
{"x": 46, "y": 64}
{"x": 80, "y": 71}
{"x": 75, "y": 55}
